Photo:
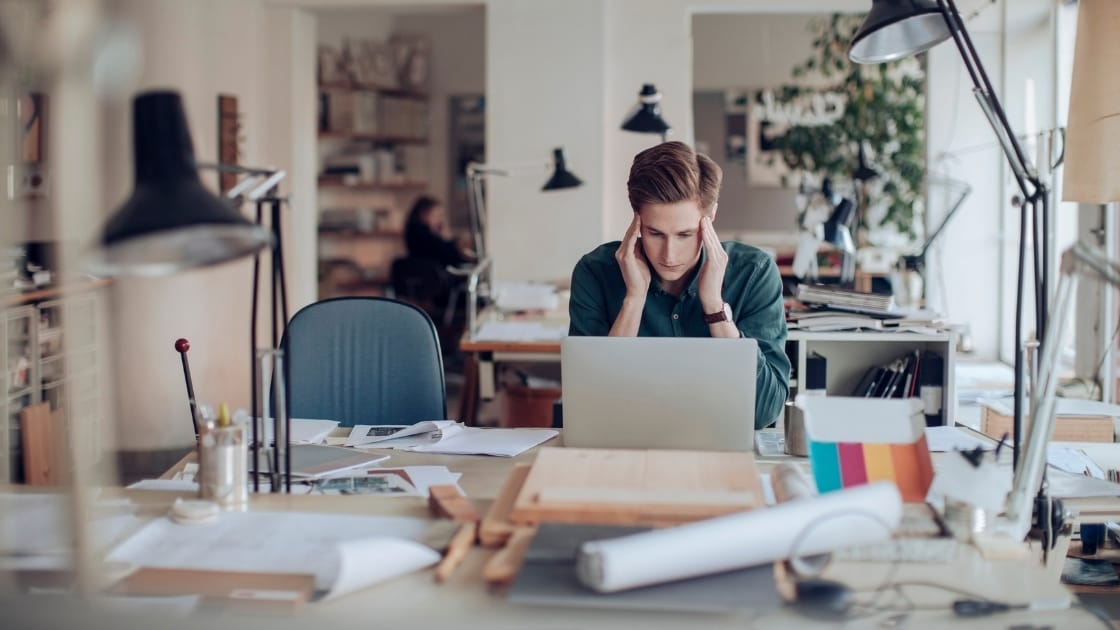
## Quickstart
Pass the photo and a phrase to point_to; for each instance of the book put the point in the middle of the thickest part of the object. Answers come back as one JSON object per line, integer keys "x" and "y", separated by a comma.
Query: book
{"x": 997, "y": 418}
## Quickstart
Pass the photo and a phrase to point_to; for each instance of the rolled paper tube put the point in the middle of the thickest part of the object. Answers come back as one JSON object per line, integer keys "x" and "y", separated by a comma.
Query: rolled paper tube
{"x": 857, "y": 516}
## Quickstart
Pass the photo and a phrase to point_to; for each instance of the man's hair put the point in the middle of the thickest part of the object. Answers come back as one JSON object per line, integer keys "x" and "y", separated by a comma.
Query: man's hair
{"x": 672, "y": 172}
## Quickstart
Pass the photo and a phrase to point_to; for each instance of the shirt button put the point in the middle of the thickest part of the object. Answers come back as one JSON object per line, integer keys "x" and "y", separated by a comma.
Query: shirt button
{"x": 676, "y": 316}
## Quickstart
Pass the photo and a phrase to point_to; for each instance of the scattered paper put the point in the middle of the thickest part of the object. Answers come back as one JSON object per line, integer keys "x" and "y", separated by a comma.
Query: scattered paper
{"x": 1064, "y": 485}
{"x": 374, "y": 482}
{"x": 1073, "y": 460}
{"x": 304, "y": 430}
{"x": 172, "y": 485}
{"x": 519, "y": 331}
{"x": 948, "y": 439}
{"x": 525, "y": 296}
{"x": 35, "y": 529}
{"x": 277, "y": 542}
{"x": 366, "y": 562}
{"x": 495, "y": 442}
{"x": 402, "y": 435}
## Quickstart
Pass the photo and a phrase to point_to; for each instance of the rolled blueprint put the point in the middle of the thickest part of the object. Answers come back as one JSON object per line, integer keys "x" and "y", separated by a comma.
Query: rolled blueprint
{"x": 860, "y": 515}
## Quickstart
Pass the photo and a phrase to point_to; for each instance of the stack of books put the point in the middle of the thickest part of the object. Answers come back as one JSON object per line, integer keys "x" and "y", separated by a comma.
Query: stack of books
{"x": 916, "y": 374}
{"x": 847, "y": 300}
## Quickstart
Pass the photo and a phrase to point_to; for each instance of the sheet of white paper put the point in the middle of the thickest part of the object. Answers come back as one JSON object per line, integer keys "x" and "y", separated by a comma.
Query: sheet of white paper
{"x": 768, "y": 489}
{"x": 366, "y": 562}
{"x": 424, "y": 477}
{"x": 525, "y": 296}
{"x": 496, "y": 442}
{"x": 174, "y": 485}
{"x": 39, "y": 523}
{"x": 948, "y": 439}
{"x": 854, "y": 516}
{"x": 176, "y": 607}
{"x": 304, "y": 430}
{"x": 1073, "y": 461}
{"x": 279, "y": 542}
{"x": 519, "y": 331}
{"x": 1066, "y": 486}
{"x": 394, "y": 435}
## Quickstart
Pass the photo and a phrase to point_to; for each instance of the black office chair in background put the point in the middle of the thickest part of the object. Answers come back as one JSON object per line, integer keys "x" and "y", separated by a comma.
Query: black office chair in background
{"x": 364, "y": 360}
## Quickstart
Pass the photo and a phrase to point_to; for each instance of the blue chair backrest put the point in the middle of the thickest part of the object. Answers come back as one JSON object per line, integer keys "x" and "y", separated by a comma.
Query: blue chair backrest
{"x": 364, "y": 360}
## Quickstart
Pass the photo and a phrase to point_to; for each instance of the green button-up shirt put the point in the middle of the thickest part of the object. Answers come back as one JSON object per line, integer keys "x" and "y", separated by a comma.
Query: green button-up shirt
{"x": 751, "y": 285}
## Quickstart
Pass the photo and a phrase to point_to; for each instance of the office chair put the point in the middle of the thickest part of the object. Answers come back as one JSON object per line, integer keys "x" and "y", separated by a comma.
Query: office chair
{"x": 364, "y": 360}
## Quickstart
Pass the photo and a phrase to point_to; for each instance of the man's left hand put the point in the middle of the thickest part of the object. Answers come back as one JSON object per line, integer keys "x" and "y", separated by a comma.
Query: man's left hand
{"x": 715, "y": 264}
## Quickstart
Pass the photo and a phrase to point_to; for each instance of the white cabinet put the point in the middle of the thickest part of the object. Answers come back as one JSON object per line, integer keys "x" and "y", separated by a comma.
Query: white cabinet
{"x": 849, "y": 355}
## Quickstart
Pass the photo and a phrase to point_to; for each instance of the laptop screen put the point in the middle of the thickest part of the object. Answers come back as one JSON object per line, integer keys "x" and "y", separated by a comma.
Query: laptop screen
{"x": 689, "y": 393}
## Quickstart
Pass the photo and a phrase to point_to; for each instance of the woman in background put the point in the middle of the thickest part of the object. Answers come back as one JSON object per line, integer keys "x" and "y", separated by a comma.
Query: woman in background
{"x": 425, "y": 234}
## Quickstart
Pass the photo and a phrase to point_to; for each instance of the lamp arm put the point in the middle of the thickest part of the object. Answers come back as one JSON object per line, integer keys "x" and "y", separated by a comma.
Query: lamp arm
{"x": 1076, "y": 260}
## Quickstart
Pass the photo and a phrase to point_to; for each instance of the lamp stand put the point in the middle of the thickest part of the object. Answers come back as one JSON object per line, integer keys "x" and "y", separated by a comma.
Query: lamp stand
{"x": 1034, "y": 206}
{"x": 280, "y": 403}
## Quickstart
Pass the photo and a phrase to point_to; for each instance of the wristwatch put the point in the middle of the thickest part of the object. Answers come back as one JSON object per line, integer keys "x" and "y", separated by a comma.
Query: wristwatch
{"x": 722, "y": 315}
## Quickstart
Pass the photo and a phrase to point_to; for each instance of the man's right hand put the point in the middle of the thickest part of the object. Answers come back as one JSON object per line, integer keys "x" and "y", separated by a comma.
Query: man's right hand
{"x": 632, "y": 261}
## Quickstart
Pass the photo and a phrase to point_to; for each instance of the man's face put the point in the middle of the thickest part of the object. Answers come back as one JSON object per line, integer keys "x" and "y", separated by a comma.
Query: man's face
{"x": 671, "y": 238}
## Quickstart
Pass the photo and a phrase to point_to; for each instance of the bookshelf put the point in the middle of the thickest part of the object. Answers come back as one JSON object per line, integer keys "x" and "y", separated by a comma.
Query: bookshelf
{"x": 373, "y": 163}
{"x": 850, "y": 353}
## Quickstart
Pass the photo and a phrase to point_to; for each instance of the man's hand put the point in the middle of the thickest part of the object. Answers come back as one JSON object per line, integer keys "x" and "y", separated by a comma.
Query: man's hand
{"x": 632, "y": 261}
{"x": 715, "y": 264}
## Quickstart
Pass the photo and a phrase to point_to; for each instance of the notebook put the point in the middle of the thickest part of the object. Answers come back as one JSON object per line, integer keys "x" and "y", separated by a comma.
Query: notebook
{"x": 659, "y": 392}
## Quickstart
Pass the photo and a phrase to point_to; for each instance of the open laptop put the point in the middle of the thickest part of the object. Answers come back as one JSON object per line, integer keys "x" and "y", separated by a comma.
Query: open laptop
{"x": 659, "y": 392}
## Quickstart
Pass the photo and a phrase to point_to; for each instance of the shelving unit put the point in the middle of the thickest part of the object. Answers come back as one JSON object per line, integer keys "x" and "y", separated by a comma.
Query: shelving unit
{"x": 850, "y": 354}
{"x": 50, "y": 352}
{"x": 373, "y": 144}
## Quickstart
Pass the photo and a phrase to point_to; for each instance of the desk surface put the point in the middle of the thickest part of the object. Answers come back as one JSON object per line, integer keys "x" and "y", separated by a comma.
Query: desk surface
{"x": 416, "y": 598}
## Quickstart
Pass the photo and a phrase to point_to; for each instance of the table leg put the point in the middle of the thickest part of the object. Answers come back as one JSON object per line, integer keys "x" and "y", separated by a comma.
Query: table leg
{"x": 468, "y": 398}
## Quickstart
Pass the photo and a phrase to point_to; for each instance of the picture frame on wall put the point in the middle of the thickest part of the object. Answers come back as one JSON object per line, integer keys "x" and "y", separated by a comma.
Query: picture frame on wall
{"x": 765, "y": 166}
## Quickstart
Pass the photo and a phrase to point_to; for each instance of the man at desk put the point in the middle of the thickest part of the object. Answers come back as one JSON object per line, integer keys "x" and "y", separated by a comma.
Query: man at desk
{"x": 670, "y": 276}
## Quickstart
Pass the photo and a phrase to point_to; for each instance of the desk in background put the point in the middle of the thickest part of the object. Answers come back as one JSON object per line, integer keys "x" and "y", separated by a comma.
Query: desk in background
{"x": 483, "y": 355}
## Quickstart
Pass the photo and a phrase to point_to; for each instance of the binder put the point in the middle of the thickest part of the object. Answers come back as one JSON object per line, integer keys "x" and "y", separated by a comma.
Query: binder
{"x": 931, "y": 382}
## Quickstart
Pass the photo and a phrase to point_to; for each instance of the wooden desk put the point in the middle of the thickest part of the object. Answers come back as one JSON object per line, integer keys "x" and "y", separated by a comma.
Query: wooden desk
{"x": 482, "y": 357}
{"x": 416, "y": 599}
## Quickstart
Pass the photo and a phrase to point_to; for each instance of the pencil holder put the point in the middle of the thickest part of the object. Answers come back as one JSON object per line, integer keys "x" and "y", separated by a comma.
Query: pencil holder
{"x": 223, "y": 466}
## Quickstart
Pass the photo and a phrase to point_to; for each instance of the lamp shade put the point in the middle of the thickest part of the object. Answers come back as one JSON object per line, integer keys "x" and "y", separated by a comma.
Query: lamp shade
{"x": 171, "y": 222}
{"x": 896, "y": 29}
{"x": 646, "y": 116}
{"x": 1092, "y": 165}
{"x": 561, "y": 176}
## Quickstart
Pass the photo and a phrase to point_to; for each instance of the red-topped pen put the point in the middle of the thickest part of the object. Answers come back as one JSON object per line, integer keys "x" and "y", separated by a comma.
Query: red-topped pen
{"x": 181, "y": 346}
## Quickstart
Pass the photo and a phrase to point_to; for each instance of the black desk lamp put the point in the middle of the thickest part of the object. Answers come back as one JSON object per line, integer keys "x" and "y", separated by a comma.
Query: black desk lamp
{"x": 646, "y": 115}
{"x": 171, "y": 222}
{"x": 895, "y": 29}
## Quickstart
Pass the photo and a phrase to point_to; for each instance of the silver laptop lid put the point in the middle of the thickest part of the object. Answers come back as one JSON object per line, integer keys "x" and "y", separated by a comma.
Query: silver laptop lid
{"x": 659, "y": 392}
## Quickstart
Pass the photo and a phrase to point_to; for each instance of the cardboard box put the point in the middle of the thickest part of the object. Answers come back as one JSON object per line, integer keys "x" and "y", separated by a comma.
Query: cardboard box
{"x": 1066, "y": 429}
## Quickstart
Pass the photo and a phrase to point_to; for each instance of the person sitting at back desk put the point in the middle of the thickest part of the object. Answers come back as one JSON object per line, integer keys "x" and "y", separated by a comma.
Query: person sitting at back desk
{"x": 670, "y": 276}
{"x": 424, "y": 234}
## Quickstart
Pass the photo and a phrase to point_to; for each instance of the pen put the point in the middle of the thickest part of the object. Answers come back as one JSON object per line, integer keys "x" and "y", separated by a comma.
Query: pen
{"x": 457, "y": 549}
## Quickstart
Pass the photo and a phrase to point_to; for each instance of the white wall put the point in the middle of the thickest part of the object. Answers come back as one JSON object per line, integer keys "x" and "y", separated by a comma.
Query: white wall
{"x": 544, "y": 78}
{"x": 201, "y": 49}
{"x": 734, "y": 51}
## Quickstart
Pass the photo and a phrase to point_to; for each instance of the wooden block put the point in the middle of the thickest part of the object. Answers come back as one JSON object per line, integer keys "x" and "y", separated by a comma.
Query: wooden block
{"x": 446, "y": 502}
{"x": 504, "y": 565}
{"x": 229, "y": 589}
{"x": 632, "y": 487}
{"x": 496, "y": 527}
{"x": 37, "y": 427}
{"x": 460, "y": 544}
{"x": 1066, "y": 428}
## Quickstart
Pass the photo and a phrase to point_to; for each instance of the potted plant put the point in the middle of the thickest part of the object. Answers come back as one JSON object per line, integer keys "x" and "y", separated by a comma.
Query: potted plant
{"x": 876, "y": 144}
